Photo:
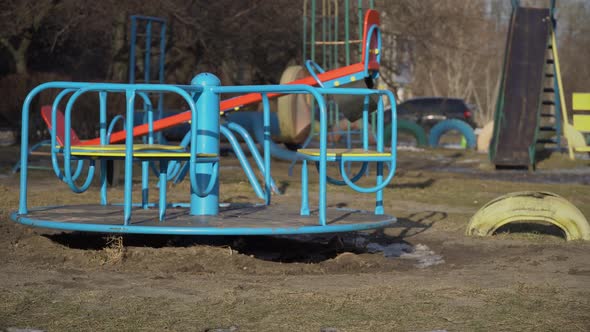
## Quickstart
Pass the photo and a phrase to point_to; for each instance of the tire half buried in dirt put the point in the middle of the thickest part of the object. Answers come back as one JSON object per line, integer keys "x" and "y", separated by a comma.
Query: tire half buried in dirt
{"x": 409, "y": 127}
{"x": 530, "y": 206}
{"x": 452, "y": 124}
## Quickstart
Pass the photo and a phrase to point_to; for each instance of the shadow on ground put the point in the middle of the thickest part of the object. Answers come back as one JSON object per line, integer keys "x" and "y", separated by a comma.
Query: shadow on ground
{"x": 306, "y": 248}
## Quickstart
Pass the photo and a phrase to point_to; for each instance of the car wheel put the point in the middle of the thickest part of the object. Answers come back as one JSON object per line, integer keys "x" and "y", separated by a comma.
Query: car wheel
{"x": 453, "y": 124}
{"x": 409, "y": 127}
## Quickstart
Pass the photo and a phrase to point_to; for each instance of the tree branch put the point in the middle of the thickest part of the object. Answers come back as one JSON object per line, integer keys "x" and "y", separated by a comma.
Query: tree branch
{"x": 7, "y": 44}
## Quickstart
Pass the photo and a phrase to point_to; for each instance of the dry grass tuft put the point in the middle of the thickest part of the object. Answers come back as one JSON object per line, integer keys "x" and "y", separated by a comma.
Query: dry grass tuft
{"x": 114, "y": 251}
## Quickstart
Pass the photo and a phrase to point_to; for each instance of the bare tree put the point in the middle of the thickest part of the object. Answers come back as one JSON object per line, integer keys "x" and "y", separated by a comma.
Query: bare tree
{"x": 48, "y": 21}
{"x": 20, "y": 21}
{"x": 456, "y": 52}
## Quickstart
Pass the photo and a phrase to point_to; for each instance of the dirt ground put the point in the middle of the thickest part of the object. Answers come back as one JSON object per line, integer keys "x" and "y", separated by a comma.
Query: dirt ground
{"x": 423, "y": 274}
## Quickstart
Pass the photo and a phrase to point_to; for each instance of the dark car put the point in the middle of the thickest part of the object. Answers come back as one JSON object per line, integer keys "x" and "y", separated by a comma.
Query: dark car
{"x": 428, "y": 111}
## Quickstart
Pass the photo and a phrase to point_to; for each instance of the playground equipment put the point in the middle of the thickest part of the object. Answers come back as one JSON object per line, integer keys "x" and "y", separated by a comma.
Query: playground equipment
{"x": 46, "y": 115}
{"x": 294, "y": 112}
{"x": 149, "y": 26}
{"x": 529, "y": 206}
{"x": 526, "y": 120}
{"x": 368, "y": 67}
{"x": 330, "y": 42}
{"x": 202, "y": 214}
{"x": 321, "y": 51}
{"x": 574, "y": 132}
{"x": 528, "y": 115}
{"x": 199, "y": 152}
{"x": 292, "y": 121}
{"x": 141, "y": 61}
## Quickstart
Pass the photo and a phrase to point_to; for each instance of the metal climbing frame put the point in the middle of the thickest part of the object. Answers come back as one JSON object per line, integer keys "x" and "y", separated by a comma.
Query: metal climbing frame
{"x": 329, "y": 46}
{"x": 148, "y": 25}
{"x": 203, "y": 214}
{"x": 331, "y": 42}
{"x": 369, "y": 64}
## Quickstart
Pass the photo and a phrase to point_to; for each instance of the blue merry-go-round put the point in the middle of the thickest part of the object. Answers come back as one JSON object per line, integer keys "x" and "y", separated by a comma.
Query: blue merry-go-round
{"x": 197, "y": 159}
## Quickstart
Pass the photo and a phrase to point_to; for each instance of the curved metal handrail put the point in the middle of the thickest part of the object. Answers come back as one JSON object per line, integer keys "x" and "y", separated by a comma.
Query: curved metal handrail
{"x": 117, "y": 118}
{"x": 311, "y": 67}
{"x": 54, "y": 159}
{"x": 355, "y": 178}
{"x": 377, "y": 30}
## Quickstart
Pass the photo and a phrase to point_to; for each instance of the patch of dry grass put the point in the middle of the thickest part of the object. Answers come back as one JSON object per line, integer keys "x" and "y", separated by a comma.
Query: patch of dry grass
{"x": 114, "y": 251}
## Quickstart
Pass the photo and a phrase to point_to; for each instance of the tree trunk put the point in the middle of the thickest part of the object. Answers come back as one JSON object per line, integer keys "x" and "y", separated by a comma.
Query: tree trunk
{"x": 20, "y": 60}
{"x": 19, "y": 55}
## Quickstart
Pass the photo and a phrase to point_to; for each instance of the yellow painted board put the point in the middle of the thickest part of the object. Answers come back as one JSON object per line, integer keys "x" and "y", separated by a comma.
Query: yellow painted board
{"x": 136, "y": 154}
{"x": 146, "y": 151}
{"x": 345, "y": 153}
{"x": 581, "y": 101}
{"x": 121, "y": 147}
{"x": 582, "y": 122}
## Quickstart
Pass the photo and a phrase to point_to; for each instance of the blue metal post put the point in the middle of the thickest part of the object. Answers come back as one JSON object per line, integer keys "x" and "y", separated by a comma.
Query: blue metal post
{"x": 304, "y": 189}
{"x": 148, "y": 52}
{"x": 323, "y": 168}
{"x": 127, "y": 196}
{"x": 207, "y": 142}
{"x": 146, "y": 70}
{"x": 163, "y": 183}
{"x": 103, "y": 140}
{"x": 145, "y": 190}
{"x": 267, "y": 138}
{"x": 24, "y": 154}
{"x": 145, "y": 165}
{"x": 160, "y": 134}
{"x": 380, "y": 148}
{"x": 365, "y": 127}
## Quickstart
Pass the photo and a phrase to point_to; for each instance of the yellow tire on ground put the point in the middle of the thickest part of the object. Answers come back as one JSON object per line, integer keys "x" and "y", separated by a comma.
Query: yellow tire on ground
{"x": 530, "y": 206}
